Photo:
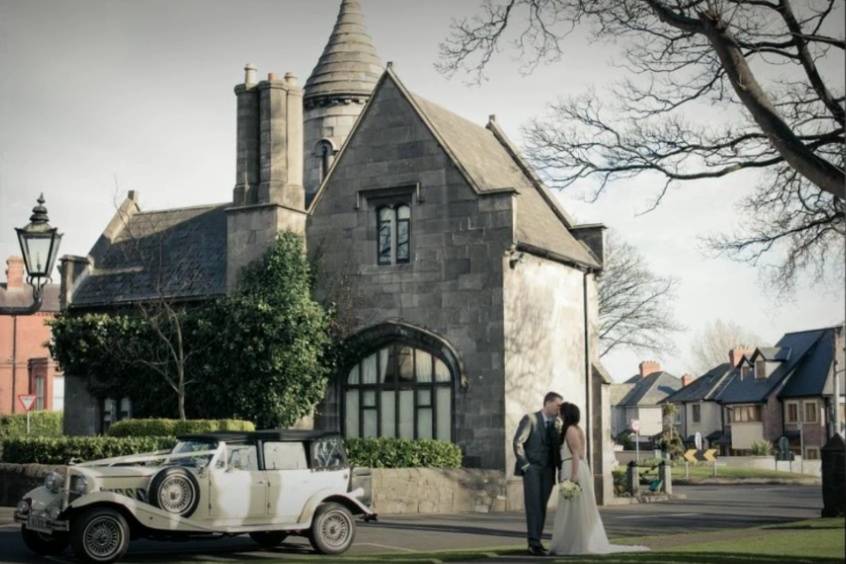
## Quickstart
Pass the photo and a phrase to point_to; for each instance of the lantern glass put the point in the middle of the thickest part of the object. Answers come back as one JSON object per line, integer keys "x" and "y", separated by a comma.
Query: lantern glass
{"x": 39, "y": 250}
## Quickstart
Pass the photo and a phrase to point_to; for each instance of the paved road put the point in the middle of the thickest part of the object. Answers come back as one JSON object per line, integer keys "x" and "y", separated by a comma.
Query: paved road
{"x": 706, "y": 508}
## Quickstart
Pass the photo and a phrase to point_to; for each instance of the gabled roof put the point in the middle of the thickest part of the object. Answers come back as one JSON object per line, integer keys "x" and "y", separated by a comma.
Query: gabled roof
{"x": 756, "y": 390}
{"x": 649, "y": 390}
{"x": 491, "y": 165}
{"x": 703, "y": 387}
{"x": 779, "y": 354}
{"x": 812, "y": 371}
{"x": 175, "y": 253}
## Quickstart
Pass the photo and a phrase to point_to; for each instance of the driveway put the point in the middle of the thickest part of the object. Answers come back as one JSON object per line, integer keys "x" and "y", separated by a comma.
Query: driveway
{"x": 707, "y": 508}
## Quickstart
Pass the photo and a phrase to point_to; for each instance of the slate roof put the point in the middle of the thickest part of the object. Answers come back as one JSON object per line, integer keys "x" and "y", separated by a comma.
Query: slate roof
{"x": 177, "y": 253}
{"x": 649, "y": 390}
{"x": 703, "y": 387}
{"x": 22, "y": 297}
{"x": 812, "y": 370}
{"x": 492, "y": 164}
{"x": 803, "y": 364}
{"x": 349, "y": 64}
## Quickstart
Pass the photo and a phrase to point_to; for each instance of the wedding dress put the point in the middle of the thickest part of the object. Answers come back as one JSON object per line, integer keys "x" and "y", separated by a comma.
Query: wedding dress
{"x": 578, "y": 527}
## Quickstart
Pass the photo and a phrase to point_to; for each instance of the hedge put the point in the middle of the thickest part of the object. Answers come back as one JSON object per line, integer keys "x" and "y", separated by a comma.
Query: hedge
{"x": 41, "y": 424}
{"x": 175, "y": 427}
{"x": 403, "y": 453}
{"x": 50, "y": 450}
{"x": 372, "y": 453}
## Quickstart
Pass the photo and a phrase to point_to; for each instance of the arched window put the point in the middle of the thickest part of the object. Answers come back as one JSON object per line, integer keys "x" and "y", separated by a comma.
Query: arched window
{"x": 399, "y": 391}
{"x": 325, "y": 152}
{"x": 394, "y": 234}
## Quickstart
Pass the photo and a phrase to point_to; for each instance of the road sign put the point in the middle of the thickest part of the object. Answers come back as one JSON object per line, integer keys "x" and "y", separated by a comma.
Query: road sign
{"x": 27, "y": 401}
{"x": 635, "y": 425}
{"x": 697, "y": 440}
{"x": 710, "y": 455}
{"x": 690, "y": 456}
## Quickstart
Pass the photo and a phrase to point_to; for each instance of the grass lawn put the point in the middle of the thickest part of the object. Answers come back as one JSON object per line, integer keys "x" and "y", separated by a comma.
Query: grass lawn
{"x": 813, "y": 542}
{"x": 701, "y": 472}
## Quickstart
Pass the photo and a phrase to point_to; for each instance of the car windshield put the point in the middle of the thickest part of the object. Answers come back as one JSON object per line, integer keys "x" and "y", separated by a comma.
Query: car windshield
{"x": 187, "y": 447}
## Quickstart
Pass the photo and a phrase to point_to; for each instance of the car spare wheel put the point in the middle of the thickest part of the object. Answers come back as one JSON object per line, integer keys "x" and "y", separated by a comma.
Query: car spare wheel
{"x": 175, "y": 490}
{"x": 333, "y": 529}
{"x": 269, "y": 539}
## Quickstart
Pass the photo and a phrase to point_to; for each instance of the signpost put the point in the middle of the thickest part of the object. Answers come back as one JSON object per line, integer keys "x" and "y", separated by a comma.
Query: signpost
{"x": 635, "y": 426}
{"x": 27, "y": 401}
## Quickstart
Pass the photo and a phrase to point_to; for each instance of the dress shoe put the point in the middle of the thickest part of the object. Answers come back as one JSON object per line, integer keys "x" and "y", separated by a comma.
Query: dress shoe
{"x": 537, "y": 550}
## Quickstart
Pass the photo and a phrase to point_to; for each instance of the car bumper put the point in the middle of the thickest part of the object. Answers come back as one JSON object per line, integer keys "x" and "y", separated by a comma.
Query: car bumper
{"x": 42, "y": 523}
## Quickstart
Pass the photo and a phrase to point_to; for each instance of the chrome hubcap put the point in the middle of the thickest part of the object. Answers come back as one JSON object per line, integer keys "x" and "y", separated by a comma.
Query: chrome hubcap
{"x": 176, "y": 494}
{"x": 103, "y": 537}
{"x": 336, "y": 529}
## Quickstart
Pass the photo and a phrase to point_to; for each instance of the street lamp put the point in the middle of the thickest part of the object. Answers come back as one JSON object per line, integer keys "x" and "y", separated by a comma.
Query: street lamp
{"x": 40, "y": 246}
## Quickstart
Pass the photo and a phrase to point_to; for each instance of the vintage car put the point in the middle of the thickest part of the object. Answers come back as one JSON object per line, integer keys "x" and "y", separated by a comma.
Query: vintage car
{"x": 268, "y": 484}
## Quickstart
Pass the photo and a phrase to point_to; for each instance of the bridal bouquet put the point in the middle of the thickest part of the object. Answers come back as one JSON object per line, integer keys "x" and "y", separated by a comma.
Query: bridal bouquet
{"x": 569, "y": 489}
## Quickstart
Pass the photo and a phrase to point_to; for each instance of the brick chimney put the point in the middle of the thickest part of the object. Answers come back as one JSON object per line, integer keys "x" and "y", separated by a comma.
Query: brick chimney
{"x": 14, "y": 273}
{"x": 737, "y": 353}
{"x": 686, "y": 379}
{"x": 648, "y": 367}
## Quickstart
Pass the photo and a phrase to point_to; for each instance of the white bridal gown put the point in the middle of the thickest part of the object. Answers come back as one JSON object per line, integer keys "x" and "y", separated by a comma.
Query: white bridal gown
{"x": 578, "y": 527}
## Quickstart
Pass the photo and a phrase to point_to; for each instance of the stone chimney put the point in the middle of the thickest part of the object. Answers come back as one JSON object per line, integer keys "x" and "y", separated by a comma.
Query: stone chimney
{"x": 648, "y": 367}
{"x": 686, "y": 379}
{"x": 737, "y": 353}
{"x": 72, "y": 268}
{"x": 14, "y": 273}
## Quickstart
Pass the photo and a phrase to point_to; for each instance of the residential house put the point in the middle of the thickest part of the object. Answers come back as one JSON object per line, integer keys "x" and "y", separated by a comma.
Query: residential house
{"x": 26, "y": 367}
{"x": 640, "y": 399}
{"x": 786, "y": 390}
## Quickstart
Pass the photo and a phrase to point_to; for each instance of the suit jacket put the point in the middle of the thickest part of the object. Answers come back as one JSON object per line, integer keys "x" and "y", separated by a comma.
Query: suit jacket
{"x": 531, "y": 443}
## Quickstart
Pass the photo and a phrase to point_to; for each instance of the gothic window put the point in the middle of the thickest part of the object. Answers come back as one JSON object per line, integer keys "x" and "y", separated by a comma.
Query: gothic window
{"x": 399, "y": 391}
{"x": 326, "y": 154}
{"x": 393, "y": 234}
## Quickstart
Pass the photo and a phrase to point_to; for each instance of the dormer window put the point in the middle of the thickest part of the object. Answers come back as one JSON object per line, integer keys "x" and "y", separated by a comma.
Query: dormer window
{"x": 745, "y": 371}
{"x": 761, "y": 369}
{"x": 393, "y": 234}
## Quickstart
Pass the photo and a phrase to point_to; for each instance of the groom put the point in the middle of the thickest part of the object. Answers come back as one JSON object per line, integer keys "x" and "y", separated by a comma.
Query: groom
{"x": 536, "y": 446}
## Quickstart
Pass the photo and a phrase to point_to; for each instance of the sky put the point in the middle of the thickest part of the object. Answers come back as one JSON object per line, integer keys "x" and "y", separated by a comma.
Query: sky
{"x": 98, "y": 97}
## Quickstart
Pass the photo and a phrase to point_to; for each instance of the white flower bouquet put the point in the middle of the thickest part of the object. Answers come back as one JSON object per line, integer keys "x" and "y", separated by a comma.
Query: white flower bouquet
{"x": 569, "y": 490}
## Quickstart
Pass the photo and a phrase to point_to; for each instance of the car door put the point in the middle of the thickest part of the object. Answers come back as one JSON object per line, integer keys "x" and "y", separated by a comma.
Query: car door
{"x": 289, "y": 480}
{"x": 238, "y": 489}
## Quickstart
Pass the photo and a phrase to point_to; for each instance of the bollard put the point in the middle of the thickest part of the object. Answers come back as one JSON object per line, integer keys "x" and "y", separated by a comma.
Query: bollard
{"x": 833, "y": 456}
{"x": 632, "y": 479}
{"x": 665, "y": 474}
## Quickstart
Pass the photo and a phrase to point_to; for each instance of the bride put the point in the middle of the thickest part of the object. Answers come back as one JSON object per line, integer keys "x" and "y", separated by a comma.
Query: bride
{"x": 578, "y": 527}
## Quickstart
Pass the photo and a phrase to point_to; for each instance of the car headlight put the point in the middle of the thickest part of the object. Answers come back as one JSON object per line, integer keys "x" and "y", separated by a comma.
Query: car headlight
{"x": 23, "y": 507}
{"x": 79, "y": 485}
{"x": 54, "y": 482}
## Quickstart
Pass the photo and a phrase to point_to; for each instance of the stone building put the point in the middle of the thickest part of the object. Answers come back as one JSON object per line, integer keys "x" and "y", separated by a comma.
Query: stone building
{"x": 25, "y": 364}
{"x": 469, "y": 291}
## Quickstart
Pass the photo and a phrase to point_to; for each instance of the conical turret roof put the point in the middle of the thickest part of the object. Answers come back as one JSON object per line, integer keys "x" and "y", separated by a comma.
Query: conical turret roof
{"x": 349, "y": 64}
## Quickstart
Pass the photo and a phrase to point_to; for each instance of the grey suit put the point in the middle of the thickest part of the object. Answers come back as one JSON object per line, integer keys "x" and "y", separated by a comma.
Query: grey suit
{"x": 537, "y": 450}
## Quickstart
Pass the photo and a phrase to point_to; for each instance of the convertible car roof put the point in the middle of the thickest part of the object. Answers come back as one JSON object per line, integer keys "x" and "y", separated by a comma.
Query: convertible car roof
{"x": 271, "y": 435}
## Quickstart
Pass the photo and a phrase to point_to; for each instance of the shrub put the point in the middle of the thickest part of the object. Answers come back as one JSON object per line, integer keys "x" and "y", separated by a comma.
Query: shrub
{"x": 41, "y": 424}
{"x": 763, "y": 448}
{"x": 60, "y": 450}
{"x": 625, "y": 440}
{"x": 175, "y": 427}
{"x": 403, "y": 453}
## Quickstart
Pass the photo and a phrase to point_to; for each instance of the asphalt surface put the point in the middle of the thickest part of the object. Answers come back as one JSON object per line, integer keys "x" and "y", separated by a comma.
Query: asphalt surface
{"x": 707, "y": 508}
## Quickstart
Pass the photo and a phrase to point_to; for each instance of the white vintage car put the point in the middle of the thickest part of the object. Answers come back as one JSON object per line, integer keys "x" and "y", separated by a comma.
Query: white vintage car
{"x": 268, "y": 484}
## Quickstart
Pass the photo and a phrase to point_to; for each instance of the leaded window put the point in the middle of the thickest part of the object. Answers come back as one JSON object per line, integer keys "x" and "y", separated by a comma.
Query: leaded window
{"x": 393, "y": 234}
{"x": 399, "y": 391}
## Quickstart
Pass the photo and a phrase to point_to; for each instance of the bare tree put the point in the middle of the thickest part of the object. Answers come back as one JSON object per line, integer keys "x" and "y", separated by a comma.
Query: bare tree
{"x": 635, "y": 304}
{"x": 758, "y": 71}
{"x": 711, "y": 346}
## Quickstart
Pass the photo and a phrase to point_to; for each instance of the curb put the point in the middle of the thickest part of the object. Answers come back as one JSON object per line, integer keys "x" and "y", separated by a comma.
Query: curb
{"x": 747, "y": 482}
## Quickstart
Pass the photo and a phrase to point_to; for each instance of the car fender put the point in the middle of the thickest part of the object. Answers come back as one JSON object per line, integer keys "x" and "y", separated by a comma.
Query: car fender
{"x": 144, "y": 513}
{"x": 347, "y": 499}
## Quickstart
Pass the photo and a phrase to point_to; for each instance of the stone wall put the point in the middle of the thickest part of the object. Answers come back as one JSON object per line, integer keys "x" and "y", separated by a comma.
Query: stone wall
{"x": 452, "y": 285}
{"x": 17, "y": 479}
{"x": 427, "y": 490}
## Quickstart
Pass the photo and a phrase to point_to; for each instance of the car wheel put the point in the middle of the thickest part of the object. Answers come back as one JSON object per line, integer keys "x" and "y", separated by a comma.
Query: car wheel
{"x": 269, "y": 539}
{"x": 175, "y": 490}
{"x": 43, "y": 543}
{"x": 333, "y": 529}
{"x": 100, "y": 535}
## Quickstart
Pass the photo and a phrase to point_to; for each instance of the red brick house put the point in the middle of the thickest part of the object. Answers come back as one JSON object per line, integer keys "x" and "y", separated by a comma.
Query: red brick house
{"x": 25, "y": 363}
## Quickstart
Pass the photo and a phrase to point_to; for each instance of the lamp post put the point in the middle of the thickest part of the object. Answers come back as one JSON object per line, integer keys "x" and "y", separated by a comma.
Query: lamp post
{"x": 40, "y": 246}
